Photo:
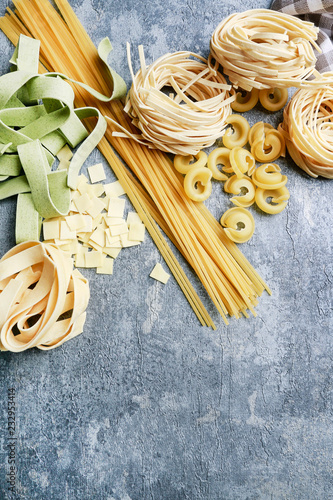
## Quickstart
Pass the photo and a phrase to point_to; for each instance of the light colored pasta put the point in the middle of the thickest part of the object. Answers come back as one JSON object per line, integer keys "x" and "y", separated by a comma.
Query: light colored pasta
{"x": 237, "y": 186}
{"x": 262, "y": 48}
{"x": 187, "y": 120}
{"x": 238, "y": 224}
{"x": 197, "y": 184}
{"x": 42, "y": 300}
{"x": 268, "y": 147}
{"x": 183, "y": 163}
{"x": 268, "y": 176}
{"x": 238, "y": 132}
{"x": 273, "y": 99}
{"x": 308, "y": 128}
{"x": 245, "y": 100}
{"x": 219, "y": 156}
{"x": 242, "y": 161}
{"x": 272, "y": 201}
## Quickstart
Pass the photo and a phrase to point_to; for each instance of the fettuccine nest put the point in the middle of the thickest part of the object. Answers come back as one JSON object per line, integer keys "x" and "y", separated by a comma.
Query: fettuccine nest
{"x": 261, "y": 48}
{"x": 191, "y": 116}
{"x": 308, "y": 128}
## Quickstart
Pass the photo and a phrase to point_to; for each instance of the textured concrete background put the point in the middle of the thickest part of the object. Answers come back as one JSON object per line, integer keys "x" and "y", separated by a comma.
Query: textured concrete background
{"x": 140, "y": 407}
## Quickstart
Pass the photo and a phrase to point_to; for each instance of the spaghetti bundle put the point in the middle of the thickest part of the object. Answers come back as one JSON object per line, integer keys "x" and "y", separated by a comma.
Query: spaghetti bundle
{"x": 261, "y": 48}
{"x": 229, "y": 279}
{"x": 187, "y": 120}
{"x": 308, "y": 128}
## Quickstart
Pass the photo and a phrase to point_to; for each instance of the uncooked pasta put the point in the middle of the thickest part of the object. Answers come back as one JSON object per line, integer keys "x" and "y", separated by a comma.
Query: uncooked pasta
{"x": 186, "y": 120}
{"x": 308, "y": 128}
{"x": 261, "y": 48}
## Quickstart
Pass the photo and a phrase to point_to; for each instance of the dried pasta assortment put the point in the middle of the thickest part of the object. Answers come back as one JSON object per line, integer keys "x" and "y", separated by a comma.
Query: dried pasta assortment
{"x": 189, "y": 119}
{"x": 42, "y": 300}
{"x": 263, "y": 53}
{"x": 307, "y": 128}
{"x": 260, "y": 47}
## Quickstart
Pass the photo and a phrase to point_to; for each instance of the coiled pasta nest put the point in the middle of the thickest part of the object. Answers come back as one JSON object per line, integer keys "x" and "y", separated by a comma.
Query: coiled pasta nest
{"x": 191, "y": 116}
{"x": 261, "y": 48}
{"x": 308, "y": 128}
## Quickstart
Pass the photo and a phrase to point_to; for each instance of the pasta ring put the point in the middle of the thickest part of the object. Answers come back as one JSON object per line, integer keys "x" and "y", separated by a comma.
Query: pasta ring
{"x": 269, "y": 148}
{"x": 238, "y": 224}
{"x": 237, "y": 134}
{"x": 259, "y": 129}
{"x": 216, "y": 157}
{"x": 245, "y": 100}
{"x": 269, "y": 177}
{"x": 242, "y": 161}
{"x": 278, "y": 196}
{"x": 197, "y": 184}
{"x": 183, "y": 163}
{"x": 235, "y": 185}
{"x": 273, "y": 99}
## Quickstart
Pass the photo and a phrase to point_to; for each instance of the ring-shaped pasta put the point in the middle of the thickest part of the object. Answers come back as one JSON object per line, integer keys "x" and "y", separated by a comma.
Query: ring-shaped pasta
{"x": 242, "y": 161}
{"x": 279, "y": 197}
{"x": 268, "y": 176}
{"x": 238, "y": 224}
{"x": 183, "y": 163}
{"x": 278, "y": 136}
{"x": 259, "y": 129}
{"x": 237, "y": 134}
{"x": 268, "y": 149}
{"x": 273, "y": 99}
{"x": 219, "y": 156}
{"x": 245, "y": 100}
{"x": 197, "y": 184}
{"x": 244, "y": 185}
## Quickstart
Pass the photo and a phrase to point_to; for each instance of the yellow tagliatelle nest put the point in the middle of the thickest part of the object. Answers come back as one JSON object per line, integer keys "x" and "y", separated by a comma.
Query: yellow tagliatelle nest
{"x": 261, "y": 48}
{"x": 308, "y": 128}
{"x": 187, "y": 119}
{"x": 42, "y": 300}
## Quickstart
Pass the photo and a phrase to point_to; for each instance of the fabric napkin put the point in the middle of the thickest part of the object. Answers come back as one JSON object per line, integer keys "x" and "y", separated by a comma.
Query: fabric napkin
{"x": 320, "y": 12}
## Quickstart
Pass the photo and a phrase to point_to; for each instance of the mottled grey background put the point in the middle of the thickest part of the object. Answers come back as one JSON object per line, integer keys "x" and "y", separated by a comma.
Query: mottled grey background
{"x": 147, "y": 404}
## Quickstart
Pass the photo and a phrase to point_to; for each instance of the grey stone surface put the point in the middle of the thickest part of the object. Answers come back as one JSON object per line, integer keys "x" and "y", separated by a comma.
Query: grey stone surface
{"x": 147, "y": 404}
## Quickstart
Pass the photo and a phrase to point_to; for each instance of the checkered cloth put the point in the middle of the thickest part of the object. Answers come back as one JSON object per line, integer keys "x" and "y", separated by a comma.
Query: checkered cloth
{"x": 320, "y": 12}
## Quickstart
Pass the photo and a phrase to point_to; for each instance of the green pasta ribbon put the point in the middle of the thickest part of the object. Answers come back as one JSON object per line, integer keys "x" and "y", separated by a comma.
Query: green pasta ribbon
{"x": 37, "y": 119}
